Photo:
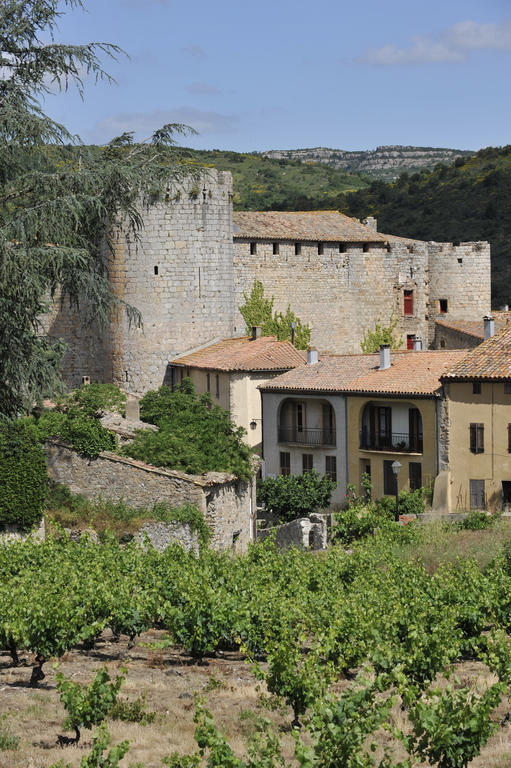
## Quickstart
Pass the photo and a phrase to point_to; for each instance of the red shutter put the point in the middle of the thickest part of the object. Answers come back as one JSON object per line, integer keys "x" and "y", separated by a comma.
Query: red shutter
{"x": 409, "y": 341}
{"x": 408, "y": 303}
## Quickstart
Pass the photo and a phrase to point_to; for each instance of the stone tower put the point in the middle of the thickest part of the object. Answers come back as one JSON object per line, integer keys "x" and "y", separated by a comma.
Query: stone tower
{"x": 179, "y": 275}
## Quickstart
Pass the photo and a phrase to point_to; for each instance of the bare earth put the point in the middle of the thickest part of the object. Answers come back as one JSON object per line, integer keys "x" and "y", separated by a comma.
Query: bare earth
{"x": 169, "y": 681}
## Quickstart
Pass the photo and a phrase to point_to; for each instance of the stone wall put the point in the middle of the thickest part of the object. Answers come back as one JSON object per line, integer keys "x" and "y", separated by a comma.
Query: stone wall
{"x": 450, "y": 338}
{"x": 225, "y": 501}
{"x": 460, "y": 274}
{"x": 340, "y": 294}
{"x": 303, "y": 533}
{"x": 160, "y": 535}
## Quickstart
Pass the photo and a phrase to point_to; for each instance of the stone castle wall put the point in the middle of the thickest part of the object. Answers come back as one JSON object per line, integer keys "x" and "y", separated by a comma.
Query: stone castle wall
{"x": 226, "y": 502}
{"x": 460, "y": 274}
{"x": 179, "y": 275}
{"x": 339, "y": 294}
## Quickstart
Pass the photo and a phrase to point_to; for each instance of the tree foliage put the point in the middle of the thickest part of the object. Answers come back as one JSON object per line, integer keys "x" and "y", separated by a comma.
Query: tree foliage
{"x": 57, "y": 210}
{"x": 193, "y": 435}
{"x": 23, "y": 475}
{"x": 382, "y": 334}
{"x": 258, "y": 311}
{"x": 291, "y": 496}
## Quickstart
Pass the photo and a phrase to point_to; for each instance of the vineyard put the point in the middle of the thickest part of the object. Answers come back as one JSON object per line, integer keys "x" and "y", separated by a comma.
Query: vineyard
{"x": 354, "y": 658}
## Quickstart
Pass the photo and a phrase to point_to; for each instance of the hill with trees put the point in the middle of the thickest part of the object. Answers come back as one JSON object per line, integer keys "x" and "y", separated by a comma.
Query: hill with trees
{"x": 470, "y": 200}
{"x": 265, "y": 184}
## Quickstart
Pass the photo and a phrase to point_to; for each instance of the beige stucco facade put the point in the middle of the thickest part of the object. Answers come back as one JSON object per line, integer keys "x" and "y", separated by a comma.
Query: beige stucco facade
{"x": 492, "y": 465}
{"x": 408, "y": 452}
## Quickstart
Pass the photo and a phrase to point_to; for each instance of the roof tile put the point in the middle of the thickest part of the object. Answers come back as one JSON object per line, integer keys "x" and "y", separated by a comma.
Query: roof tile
{"x": 410, "y": 373}
{"x": 489, "y": 360}
{"x": 329, "y": 226}
{"x": 245, "y": 354}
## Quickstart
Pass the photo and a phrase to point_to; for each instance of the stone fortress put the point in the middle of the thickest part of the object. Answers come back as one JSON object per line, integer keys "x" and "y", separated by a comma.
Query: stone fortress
{"x": 195, "y": 259}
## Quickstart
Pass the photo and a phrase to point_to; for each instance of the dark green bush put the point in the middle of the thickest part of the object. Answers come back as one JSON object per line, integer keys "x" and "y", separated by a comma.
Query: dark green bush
{"x": 193, "y": 435}
{"x": 76, "y": 419}
{"x": 292, "y": 496}
{"x": 23, "y": 475}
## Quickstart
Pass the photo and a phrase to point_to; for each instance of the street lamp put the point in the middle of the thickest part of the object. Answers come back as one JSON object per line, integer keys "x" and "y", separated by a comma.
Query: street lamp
{"x": 396, "y": 468}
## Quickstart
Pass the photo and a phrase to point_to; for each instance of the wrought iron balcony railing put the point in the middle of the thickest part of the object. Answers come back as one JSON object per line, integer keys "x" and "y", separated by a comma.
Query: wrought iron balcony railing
{"x": 306, "y": 436}
{"x": 391, "y": 441}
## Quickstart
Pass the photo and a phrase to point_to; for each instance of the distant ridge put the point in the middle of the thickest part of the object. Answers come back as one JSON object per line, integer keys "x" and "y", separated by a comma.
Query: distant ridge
{"x": 385, "y": 162}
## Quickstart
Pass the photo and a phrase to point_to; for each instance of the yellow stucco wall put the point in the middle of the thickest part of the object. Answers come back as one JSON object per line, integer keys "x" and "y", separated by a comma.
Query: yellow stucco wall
{"x": 493, "y": 409}
{"x": 358, "y": 457}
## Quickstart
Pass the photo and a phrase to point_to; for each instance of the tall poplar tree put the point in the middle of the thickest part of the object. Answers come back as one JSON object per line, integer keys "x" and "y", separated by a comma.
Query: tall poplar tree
{"x": 59, "y": 198}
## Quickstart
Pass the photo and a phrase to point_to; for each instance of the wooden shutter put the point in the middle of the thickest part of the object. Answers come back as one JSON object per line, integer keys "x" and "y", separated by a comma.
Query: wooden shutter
{"x": 477, "y": 438}
{"x": 408, "y": 303}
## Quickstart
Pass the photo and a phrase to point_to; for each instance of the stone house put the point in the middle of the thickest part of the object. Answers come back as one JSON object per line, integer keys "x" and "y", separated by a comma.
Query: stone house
{"x": 475, "y": 465}
{"x": 353, "y": 414}
{"x": 231, "y": 371}
{"x": 466, "y": 334}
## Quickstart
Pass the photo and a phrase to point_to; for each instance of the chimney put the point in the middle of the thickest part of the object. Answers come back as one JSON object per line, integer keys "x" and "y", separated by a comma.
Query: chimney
{"x": 417, "y": 344}
{"x": 489, "y": 327}
{"x": 371, "y": 222}
{"x": 312, "y": 356}
{"x": 384, "y": 356}
{"x": 256, "y": 332}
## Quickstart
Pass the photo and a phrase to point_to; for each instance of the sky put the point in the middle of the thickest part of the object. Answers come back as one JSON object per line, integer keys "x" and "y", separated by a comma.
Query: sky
{"x": 285, "y": 74}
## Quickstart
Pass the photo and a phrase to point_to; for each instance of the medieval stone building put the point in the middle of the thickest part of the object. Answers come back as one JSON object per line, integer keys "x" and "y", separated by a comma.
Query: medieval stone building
{"x": 195, "y": 259}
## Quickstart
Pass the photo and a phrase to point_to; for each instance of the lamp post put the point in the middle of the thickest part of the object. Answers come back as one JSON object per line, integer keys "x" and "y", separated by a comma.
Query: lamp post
{"x": 396, "y": 467}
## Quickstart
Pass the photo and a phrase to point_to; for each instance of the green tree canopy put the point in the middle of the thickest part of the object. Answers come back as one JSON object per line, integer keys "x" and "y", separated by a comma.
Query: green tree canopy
{"x": 193, "y": 434}
{"x": 57, "y": 207}
{"x": 382, "y": 334}
{"x": 258, "y": 311}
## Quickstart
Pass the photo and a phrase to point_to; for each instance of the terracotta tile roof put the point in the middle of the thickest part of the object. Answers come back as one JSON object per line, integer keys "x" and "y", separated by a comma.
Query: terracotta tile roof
{"x": 474, "y": 327}
{"x": 489, "y": 360}
{"x": 245, "y": 354}
{"x": 410, "y": 373}
{"x": 329, "y": 226}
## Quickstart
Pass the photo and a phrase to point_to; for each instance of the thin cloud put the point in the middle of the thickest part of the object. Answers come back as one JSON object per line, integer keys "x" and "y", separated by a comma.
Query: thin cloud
{"x": 203, "y": 89}
{"x": 194, "y": 51}
{"x": 456, "y": 43}
{"x": 145, "y": 123}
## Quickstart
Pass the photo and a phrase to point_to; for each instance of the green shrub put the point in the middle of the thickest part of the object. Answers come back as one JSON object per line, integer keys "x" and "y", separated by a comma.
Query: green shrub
{"x": 132, "y": 711}
{"x": 410, "y": 502}
{"x": 88, "y": 436}
{"x": 76, "y": 420}
{"x": 91, "y": 399}
{"x": 291, "y": 496}
{"x": 23, "y": 475}
{"x": 477, "y": 520}
{"x": 193, "y": 435}
{"x": 360, "y": 520}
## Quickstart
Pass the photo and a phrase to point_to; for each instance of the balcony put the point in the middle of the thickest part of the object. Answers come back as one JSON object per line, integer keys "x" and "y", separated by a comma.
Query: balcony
{"x": 304, "y": 436}
{"x": 391, "y": 441}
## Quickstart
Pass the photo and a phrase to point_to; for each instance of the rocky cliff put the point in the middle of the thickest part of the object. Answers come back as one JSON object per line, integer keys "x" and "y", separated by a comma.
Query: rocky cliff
{"x": 385, "y": 163}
